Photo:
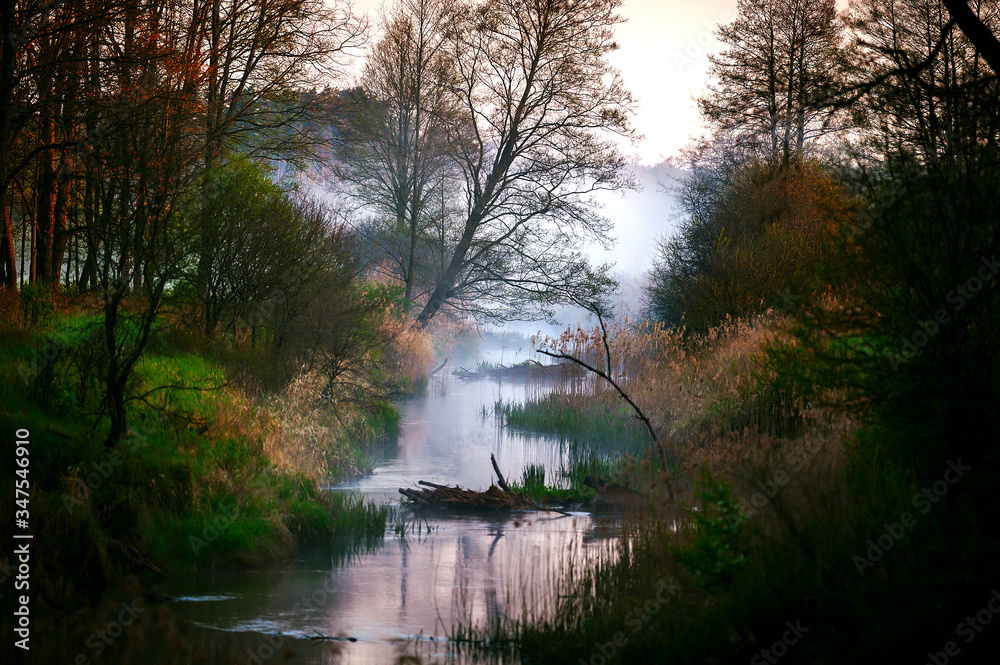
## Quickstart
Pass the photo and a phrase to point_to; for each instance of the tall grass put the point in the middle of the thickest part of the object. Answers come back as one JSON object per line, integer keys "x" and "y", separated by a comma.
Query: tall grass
{"x": 211, "y": 473}
{"x": 729, "y": 423}
{"x": 575, "y": 416}
{"x": 568, "y": 486}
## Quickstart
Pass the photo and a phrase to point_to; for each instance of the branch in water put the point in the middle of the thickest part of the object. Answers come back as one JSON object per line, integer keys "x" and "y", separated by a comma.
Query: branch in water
{"x": 641, "y": 415}
{"x": 607, "y": 377}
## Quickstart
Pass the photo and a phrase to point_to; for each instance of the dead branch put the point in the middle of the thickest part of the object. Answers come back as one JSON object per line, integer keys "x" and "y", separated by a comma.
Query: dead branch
{"x": 607, "y": 377}
{"x": 500, "y": 479}
{"x": 457, "y": 497}
{"x": 635, "y": 407}
{"x": 439, "y": 367}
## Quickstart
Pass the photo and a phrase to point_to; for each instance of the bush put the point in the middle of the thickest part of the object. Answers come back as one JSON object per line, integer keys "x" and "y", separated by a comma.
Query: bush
{"x": 753, "y": 239}
{"x": 916, "y": 340}
{"x": 717, "y": 549}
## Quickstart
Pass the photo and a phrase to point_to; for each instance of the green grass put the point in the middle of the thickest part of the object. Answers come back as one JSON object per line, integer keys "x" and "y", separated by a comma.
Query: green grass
{"x": 358, "y": 525}
{"x": 732, "y": 581}
{"x": 578, "y": 417}
{"x": 181, "y": 494}
{"x": 406, "y": 523}
{"x": 569, "y": 488}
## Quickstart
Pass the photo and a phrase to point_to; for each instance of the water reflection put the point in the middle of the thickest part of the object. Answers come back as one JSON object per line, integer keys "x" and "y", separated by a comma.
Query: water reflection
{"x": 446, "y": 439}
{"x": 408, "y": 596}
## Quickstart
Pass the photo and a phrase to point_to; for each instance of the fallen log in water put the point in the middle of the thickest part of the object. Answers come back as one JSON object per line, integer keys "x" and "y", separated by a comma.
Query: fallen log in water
{"x": 502, "y": 497}
{"x": 522, "y": 370}
{"x": 459, "y": 497}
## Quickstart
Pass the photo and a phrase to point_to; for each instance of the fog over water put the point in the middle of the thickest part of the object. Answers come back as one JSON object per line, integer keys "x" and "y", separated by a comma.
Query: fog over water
{"x": 406, "y": 596}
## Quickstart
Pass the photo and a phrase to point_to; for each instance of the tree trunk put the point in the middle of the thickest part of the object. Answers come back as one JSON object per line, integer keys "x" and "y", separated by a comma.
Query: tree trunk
{"x": 115, "y": 396}
{"x": 203, "y": 276}
{"x": 59, "y": 233}
{"x": 45, "y": 204}
{"x": 8, "y": 266}
{"x": 69, "y": 87}
{"x": 447, "y": 281}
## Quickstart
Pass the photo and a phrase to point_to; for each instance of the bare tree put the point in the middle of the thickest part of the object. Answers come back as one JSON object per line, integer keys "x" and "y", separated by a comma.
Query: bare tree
{"x": 141, "y": 96}
{"x": 771, "y": 83}
{"x": 259, "y": 60}
{"x": 539, "y": 108}
{"x": 40, "y": 75}
{"x": 8, "y": 54}
{"x": 979, "y": 31}
{"x": 394, "y": 133}
{"x": 258, "y": 57}
{"x": 926, "y": 89}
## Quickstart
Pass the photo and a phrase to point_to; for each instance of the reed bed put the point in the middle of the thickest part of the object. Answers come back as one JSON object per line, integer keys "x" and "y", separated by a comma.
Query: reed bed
{"x": 576, "y": 416}
{"x": 712, "y": 398}
{"x": 538, "y": 584}
{"x": 725, "y": 427}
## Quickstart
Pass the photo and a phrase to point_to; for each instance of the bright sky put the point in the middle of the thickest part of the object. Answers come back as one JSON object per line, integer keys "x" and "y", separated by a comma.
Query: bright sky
{"x": 663, "y": 58}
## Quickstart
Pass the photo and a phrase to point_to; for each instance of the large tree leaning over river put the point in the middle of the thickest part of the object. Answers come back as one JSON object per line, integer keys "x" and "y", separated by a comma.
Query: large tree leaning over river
{"x": 539, "y": 109}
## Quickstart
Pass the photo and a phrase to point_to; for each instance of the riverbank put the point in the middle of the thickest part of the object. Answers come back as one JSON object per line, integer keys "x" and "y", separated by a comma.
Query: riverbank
{"x": 400, "y": 599}
{"x": 792, "y": 533}
{"x": 214, "y": 470}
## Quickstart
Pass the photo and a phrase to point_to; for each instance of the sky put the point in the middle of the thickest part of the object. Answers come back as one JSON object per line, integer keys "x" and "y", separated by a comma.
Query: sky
{"x": 663, "y": 57}
{"x": 663, "y": 47}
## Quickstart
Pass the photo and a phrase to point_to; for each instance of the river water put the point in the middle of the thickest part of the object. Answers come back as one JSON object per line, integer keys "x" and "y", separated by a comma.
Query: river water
{"x": 406, "y": 597}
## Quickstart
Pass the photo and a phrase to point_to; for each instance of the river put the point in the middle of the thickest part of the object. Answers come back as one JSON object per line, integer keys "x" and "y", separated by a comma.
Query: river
{"x": 406, "y": 597}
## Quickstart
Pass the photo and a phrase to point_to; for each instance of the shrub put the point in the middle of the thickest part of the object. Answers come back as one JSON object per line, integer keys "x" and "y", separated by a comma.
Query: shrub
{"x": 753, "y": 238}
{"x": 717, "y": 548}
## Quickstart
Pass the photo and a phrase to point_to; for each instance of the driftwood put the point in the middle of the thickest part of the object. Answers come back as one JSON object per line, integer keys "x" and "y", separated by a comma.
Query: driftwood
{"x": 500, "y": 479}
{"x": 320, "y": 637}
{"x": 519, "y": 371}
{"x": 459, "y": 497}
{"x": 497, "y": 497}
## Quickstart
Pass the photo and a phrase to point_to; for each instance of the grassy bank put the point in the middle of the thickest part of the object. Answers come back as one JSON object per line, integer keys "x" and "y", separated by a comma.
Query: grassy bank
{"x": 213, "y": 471}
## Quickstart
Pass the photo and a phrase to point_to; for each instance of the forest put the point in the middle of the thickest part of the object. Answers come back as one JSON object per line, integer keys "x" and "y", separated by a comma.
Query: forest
{"x": 241, "y": 240}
